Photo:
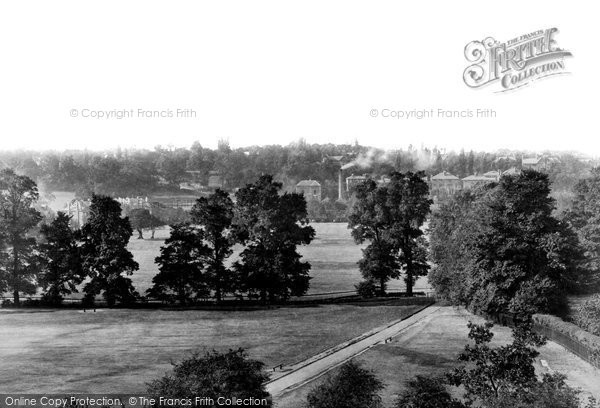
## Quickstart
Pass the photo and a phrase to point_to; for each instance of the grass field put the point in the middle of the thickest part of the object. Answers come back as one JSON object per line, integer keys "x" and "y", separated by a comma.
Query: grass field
{"x": 119, "y": 350}
{"x": 332, "y": 255}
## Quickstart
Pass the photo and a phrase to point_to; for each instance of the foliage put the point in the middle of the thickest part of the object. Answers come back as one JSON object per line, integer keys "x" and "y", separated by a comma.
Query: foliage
{"x": 366, "y": 289}
{"x": 213, "y": 375}
{"x": 141, "y": 218}
{"x": 390, "y": 217}
{"x": 515, "y": 256}
{"x": 104, "y": 252}
{"x": 181, "y": 263}
{"x": 353, "y": 386}
{"x": 492, "y": 372}
{"x": 426, "y": 392}
{"x": 587, "y": 315}
{"x": 271, "y": 226}
{"x": 61, "y": 266}
{"x": 19, "y": 257}
{"x": 215, "y": 215}
{"x": 584, "y": 216}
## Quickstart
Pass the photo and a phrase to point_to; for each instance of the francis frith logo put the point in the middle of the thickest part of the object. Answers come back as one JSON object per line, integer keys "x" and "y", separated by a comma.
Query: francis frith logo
{"x": 514, "y": 63}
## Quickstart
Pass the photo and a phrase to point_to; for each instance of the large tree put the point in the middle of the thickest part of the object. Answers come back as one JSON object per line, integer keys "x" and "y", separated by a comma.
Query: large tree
{"x": 515, "y": 255}
{"x": 390, "y": 218}
{"x": 61, "y": 267}
{"x": 141, "y": 219}
{"x": 182, "y": 275}
{"x": 584, "y": 216}
{"x": 214, "y": 214}
{"x": 19, "y": 256}
{"x": 104, "y": 251}
{"x": 272, "y": 226}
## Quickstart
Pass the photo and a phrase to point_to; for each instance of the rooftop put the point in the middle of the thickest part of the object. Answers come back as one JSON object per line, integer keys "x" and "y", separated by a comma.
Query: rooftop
{"x": 444, "y": 175}
{"x": 308, "y": 183}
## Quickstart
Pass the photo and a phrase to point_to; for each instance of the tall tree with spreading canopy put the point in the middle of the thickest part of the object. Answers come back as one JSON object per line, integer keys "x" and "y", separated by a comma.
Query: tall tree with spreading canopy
{"x": 515, "y": 257}
{"x": 271, "y": 226}
{"x": 19, "y": 255}
{"x": 214, "y": 214}
{"x": 61, "y": 267}
{"x": 141, "y": 219}
{"x": 391, "y": 217}
{"x": 584, "y": 217}
{"x": 182, "y": 275}
{"x": 104, "y": 252}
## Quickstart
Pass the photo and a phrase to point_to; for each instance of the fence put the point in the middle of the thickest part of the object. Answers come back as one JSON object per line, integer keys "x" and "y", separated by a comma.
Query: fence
{"x": 579, "y": 342}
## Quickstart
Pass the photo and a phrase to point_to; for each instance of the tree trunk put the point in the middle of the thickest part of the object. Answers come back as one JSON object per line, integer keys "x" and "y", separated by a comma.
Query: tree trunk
{"x": 17, "y": 301}
{"x": 152, "y": 233}
{"x": 140, "y": 235}
{"x": 409, "y": 284}
{"x": 16, "y": 298}
{"x": 382, "y": 287}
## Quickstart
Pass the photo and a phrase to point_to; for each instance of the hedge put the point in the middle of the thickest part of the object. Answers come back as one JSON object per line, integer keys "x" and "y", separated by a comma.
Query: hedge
{"x": 570, "y": 336}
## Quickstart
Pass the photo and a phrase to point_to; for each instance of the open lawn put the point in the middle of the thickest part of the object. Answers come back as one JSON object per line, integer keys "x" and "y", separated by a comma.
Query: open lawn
{"x": 119, "y": 350}
{"x": 332, "y": 255}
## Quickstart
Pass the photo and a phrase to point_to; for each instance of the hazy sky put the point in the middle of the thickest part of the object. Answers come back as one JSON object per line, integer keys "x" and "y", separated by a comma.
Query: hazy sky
{"x": 262, "y": 72}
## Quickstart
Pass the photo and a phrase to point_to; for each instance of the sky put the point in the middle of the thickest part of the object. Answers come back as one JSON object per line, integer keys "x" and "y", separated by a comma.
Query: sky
{"x": 272, "y": 72}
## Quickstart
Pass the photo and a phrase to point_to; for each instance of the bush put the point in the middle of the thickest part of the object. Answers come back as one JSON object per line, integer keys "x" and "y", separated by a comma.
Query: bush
{"x": 352, "y": 387}
{"x": 213, "y": 375}
{"x": 366, "y": 289}
{"x": 587, "y": 315}
{"x": 7, "y": 303}
{"x": 425, "y": 392}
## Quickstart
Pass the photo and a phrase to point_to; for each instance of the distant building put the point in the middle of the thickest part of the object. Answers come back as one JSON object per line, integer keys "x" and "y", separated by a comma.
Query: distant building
{"x": 494, "y": 175}
{"x": 310, "y": 188}
{"x": 477, "y": 180}
{"x": 215, "y": 180}
{"x": 533, "y": 163}
{"x": 513, "y": 171}
{"x": 353, "y": 181}
{"x": 445, "y": 183}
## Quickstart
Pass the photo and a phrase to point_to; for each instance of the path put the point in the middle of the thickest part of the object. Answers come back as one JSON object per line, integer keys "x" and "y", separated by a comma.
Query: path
{"x": 314, "y": 367}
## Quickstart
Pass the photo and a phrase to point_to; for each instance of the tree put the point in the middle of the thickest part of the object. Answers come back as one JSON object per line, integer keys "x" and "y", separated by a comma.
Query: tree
{"x": 215, "y": 215}
{"x": 104, "y": 252}
{"x": 19, "y": 255}
{"x": 514, "y": 255}
{"x": 181, "y": 263}
{"x": 584, "y": 217}
{"x": 426, "y": 392}
{"x": 61, "y": 271}
{"x": 141, "y": 219}
{"x": 215, "y": 375}
{"x": 504, "y": 376}
{"x": 271, "y": 226}
{"x": 390, "y": 217}
{"x": 409, "y": 205}
{"x": 353, "y": 386}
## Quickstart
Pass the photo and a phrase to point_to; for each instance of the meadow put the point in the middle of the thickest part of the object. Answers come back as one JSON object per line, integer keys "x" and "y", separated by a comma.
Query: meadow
{"x": 333, "y": 256}
{"x": 120, "y": 350}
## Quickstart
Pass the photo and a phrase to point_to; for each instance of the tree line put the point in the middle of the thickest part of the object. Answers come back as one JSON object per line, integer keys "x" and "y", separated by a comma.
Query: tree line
{"x": 192, "y": 263}
{"x": 133, "y": 172}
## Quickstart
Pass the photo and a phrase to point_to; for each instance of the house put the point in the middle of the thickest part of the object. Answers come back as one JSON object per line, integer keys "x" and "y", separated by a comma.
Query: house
{"x": 533, "y": 163}
{"x": 445, "y": 183}
{"x": 215, "y": 180}
{"x": 352, "y": 181}
{"x": 494, "y": 175}
{"x": 310, "y": 188}
{"x": 477, "y": 180}
{"x": 513, "y": 171}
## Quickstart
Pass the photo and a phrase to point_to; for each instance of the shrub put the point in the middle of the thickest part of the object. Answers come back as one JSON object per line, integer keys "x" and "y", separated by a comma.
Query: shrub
{"x": 352, "y": 387}
{"x": 587, "y": 315}
{"x": 425, "y": 392}
{"x": 213, "y": 375}
{"x": 366, "y": 289}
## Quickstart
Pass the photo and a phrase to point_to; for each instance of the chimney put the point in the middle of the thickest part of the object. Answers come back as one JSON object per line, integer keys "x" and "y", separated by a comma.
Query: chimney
{"x": 340, "y": 185}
